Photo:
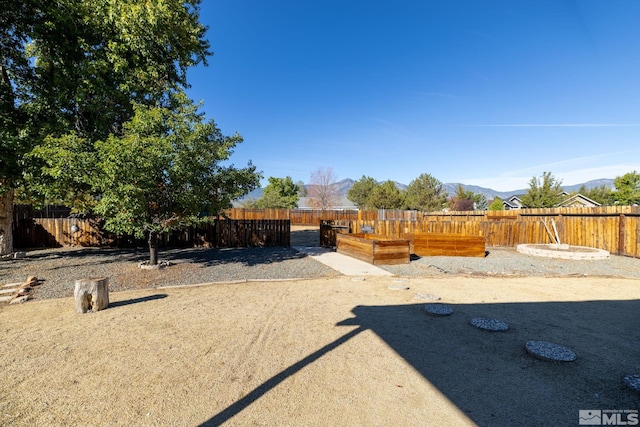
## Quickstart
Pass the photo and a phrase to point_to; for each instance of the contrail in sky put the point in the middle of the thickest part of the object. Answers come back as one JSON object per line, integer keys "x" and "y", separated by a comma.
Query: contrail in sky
{"x": 562, "y": 125}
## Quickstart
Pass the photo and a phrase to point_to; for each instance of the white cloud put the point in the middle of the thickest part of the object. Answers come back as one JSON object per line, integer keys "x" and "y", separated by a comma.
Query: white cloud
{"x": 519, "y": 179}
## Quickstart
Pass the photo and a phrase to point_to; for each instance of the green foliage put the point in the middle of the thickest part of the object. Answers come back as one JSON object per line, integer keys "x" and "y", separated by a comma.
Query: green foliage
{"x": 462, "y": 194}
{"x": 280, "y": 193}
{"x": 387, "y": 196}
{"x": 496, "y": 205}
{"x": 164, "y": 171}
{"x": 69, "y": 72}
{"x": 66, "y": 174}
{"x": 462, "y": 200}
{"x": 545, "y": 192}
{"x": 426, "y": 193}
{"x": 361, "y": 192}
{"x": 480, "y": 202}
{"x": 302, "y": 190}
{"x": 467, "y": 200}
{"x": 603, "y": 194}
{"x": 627, "y": 189}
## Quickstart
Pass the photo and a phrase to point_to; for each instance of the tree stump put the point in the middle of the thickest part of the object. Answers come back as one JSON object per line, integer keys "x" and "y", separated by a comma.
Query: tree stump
{"x": 91, "y": 294}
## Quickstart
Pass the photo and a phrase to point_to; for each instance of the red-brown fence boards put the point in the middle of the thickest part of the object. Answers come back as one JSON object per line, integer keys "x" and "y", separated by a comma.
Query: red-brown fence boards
{"x": 54, "y": 232}
{"x": 612, "y": 228}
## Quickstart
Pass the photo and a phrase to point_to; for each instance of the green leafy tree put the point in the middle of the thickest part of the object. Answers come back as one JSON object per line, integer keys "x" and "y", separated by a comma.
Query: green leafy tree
{"x": 165, "y": 172}
{"x": 543, "y": 192}
{"x": 387, "y": 196}
{"x": 463, "y": 200}
{"x": 361, "y": 191}
{"x": 280, "y": 193}
{"x": 248, "y": 203}
{"x": 426, "y": 193}
{"x": 496, "y": 205}
{"x": 602, "y": 194}
{"x": 480, "y": 202}
{"x": 627, "y": 189}
{"x": 302, "y": 189}
{"x": 70, "y": 71}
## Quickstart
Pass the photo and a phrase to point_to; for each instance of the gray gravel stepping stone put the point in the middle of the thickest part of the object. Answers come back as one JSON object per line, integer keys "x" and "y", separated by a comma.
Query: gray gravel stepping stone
{"x": 550, "y": 351}
{"x": 438, "y": 309}
{"x": 493, "y": 325}
{"x": 633, "y": 382}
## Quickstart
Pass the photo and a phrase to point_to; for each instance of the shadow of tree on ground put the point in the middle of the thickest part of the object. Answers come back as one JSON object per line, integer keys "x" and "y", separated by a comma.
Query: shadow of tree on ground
{"x": 488, "y": 375}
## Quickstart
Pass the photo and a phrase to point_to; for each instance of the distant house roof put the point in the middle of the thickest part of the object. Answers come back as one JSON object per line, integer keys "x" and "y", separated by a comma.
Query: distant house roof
{"x": 512, "y": 202}
{"x": 579, "y": 201}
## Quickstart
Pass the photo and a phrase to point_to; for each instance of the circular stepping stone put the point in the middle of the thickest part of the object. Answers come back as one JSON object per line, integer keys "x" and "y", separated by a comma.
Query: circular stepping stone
{"x": 633, "y": 382}
{"x": 493, "y": 325}
{"x": 438, "y": 309}
{"x": 550, "y": 351}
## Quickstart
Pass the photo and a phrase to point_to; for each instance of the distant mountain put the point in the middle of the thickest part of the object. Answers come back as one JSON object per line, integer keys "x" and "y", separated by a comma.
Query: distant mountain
{"x": 591, "y": 184}
{"x": 343, "y": 186}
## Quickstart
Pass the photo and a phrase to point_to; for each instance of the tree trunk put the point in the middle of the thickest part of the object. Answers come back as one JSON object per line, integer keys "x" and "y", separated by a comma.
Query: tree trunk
{"x": 6, "y": 222}
{"x": 153, "y": 247}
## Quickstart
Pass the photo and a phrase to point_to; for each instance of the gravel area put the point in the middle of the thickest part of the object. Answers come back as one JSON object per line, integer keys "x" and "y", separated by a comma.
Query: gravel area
{"x": 509, "y": 262}
{"x": 60, "y": 267}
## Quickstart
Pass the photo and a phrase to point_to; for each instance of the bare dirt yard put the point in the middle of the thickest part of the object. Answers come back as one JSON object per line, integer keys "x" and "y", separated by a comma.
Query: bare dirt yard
{"x": 335, "y": 351}
{"x": 325, "y": 351}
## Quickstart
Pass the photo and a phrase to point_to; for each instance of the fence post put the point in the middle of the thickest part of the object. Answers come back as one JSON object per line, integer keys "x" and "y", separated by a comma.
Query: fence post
{"x": 621, "y": 231}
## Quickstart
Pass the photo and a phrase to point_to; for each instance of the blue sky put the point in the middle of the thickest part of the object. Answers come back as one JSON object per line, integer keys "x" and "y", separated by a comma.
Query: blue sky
{"x": 481, "y": 92}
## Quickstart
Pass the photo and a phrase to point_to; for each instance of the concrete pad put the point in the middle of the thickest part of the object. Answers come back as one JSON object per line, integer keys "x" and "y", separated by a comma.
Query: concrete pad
{"x": 344, "y": 264}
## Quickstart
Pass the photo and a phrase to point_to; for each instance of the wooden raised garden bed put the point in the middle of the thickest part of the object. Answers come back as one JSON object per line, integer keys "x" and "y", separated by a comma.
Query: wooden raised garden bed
{"x": 330, "y": 228}
{"x": 373, "y": 248}
{"x": 444, "y": 244}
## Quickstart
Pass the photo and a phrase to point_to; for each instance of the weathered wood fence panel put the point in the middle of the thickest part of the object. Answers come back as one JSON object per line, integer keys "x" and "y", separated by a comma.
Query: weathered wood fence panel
{"x": 613, "y": 228}
{"x": 56, "y": 232}
{"x": 302, "y": 216}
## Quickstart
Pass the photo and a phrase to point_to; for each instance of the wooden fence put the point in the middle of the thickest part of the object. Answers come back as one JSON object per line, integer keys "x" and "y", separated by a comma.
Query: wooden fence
{"x": 302, "y": 216}
{"x": 56, "y": 232}
{"x": 615, "y": 229}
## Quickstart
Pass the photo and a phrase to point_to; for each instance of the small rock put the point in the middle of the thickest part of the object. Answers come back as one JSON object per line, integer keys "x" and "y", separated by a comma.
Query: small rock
{"x": 161, "y": 264}
{"x": 20, "y": 300}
